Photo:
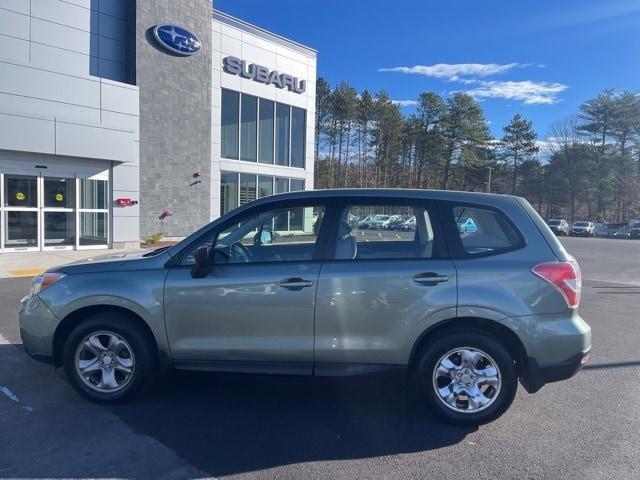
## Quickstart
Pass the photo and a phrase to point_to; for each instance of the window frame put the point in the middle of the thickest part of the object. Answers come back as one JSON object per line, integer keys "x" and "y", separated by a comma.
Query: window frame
{"x": 440, "y": 246}
{"x": 454, "y": 241}
{"x": 321, "y": 238}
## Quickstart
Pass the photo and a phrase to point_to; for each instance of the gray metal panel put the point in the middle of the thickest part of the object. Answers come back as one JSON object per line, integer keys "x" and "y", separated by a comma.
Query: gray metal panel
{"x": 175, "y": 118}
{"x": 14, "y": 24}
{"x": 125, "y": 178}
{"x": 119, "y": 98}
{"x": 26, "y": 133}
{"x": 45, "y": 108}
{"x": 61, "y": 36}
{"x": 260, "y": 32}
{"x": 57, "y": 60}
{"x": 14, "y": 49}
{"x": 95, "y": 142}
{"x": 31, "y": 82}
{"x": 62, "y": 13}
{"x": 20, "y": 6}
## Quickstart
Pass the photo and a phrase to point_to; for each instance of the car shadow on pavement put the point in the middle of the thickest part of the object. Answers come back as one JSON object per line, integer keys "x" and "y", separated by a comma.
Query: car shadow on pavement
{"x": 227, "y": 424}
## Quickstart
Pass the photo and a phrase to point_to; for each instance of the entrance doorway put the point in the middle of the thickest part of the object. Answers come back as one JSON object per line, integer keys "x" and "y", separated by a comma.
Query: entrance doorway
{"x": 42, "y": 212}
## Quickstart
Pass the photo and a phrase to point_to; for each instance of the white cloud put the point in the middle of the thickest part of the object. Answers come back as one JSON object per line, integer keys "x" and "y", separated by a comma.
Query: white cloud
{"x": 405, "y": 103}
{"x": 527, "y": 91}
{"x": 456, "y": 71}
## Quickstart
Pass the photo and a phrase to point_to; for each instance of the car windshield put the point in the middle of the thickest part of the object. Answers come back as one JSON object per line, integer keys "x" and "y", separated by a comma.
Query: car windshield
{"x": 636, "y": 225}
{"x": 582, "y": 224}
{"x": 554, "y": 222}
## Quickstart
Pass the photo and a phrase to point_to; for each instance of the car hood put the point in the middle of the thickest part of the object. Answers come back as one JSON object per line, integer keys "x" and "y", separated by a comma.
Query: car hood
{"x": 113, "y": 261}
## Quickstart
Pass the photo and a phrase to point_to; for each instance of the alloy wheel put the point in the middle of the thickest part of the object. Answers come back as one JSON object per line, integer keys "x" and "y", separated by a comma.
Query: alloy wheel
{"x": 105, "y": 362}
{"x": 467, "y": 380}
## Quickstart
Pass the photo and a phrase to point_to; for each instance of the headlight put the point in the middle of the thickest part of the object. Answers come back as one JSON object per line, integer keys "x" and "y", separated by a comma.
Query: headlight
{"x": 44, "y": 281}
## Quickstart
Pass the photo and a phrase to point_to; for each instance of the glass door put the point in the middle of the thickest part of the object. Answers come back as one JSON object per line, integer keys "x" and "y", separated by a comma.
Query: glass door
{"x": 20, "y": 222}
{"x": 58, "y": 218}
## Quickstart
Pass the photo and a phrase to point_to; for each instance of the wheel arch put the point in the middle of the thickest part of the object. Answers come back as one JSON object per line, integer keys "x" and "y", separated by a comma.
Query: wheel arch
{"x": 507, "y": 337}
{"x": 75, "y": 318}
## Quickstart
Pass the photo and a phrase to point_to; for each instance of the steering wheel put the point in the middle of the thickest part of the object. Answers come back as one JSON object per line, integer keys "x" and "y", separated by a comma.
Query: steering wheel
{"x": 240, "y": 253}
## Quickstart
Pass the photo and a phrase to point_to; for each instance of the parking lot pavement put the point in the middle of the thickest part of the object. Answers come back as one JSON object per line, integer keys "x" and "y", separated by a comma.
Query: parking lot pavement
{"x": 194, "y": 425}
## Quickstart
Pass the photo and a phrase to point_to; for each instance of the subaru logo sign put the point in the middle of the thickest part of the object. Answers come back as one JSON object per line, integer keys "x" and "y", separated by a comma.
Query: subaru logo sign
{"x": 176, "y": 39}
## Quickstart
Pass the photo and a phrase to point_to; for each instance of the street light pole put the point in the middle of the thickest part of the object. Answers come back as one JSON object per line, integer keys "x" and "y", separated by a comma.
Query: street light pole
{"x": 489, "y": 180}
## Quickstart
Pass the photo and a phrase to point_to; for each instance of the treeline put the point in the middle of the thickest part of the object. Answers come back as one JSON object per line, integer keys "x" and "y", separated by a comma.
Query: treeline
{"x": 588, "y": 166}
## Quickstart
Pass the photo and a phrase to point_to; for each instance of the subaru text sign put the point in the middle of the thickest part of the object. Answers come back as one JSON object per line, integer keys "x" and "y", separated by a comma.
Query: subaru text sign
{"x": 258, "y": 73}
{"x": 176, "y": 39}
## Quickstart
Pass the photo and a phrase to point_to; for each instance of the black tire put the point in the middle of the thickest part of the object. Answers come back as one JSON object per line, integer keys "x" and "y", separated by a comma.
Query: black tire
{"x": 125, "y": 327}
{"x": 427, "y": 363}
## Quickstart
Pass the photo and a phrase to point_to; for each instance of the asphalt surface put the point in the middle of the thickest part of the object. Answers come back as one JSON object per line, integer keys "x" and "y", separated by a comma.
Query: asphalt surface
{"x": 200, "y": 425}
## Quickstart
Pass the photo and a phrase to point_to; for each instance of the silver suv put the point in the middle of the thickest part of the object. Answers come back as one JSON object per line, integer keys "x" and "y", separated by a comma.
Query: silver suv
{"x": 286, "y": 285}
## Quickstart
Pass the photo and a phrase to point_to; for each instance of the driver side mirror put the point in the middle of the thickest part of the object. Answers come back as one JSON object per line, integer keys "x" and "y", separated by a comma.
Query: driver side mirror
{"x": 201, "y": 267}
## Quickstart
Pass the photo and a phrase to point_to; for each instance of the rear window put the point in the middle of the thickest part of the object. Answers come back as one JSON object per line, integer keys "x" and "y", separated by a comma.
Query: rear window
{"x": 484, "y": 231}
{"x": 582, "y": 224}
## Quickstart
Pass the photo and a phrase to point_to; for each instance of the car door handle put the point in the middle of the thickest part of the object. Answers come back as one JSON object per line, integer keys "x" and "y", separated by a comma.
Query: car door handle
{"x": 294, "y": 283}
{"x": 430, "y": 277}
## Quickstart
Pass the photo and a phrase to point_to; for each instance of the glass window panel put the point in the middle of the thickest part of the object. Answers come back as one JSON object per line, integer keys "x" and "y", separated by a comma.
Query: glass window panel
{"x": 282, "y": 185}
{"x": 375, "y": 232}
{"x": 249, "y": 128}
{"x": 282, "y": 134}
{"x": 230, "y": 121}
{"x": 21, "y": 229}
{"x": 247, "y": 188}
{"x": 266, "y": 131}
{"x": 93, "y": 194}
{"x": 228, "y": 192}
{"x": 59, "y": 229}
{"x": 20, "y": 191}
{"x": 297, "y": 185}
{"x": 265, "y": 186}
{"x": 298, "y": 136}
{"x": 484, "y": 231}
{"x": 93, "y": 228}
{"x": 60, "y": 192}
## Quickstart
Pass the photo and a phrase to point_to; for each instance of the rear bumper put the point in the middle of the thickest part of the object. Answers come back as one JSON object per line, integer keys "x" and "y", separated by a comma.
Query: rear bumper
{"x": 536, "y": 376}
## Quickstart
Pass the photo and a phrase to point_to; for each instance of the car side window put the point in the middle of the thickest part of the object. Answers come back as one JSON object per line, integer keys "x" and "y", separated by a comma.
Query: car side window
{"x": 279, "y": 235}
{"x": 484, "y": 231}
{"x": 371, "y": 232}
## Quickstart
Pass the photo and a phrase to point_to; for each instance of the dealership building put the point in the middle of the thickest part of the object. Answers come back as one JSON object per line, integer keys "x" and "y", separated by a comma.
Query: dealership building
{"x": 120, "y": 119}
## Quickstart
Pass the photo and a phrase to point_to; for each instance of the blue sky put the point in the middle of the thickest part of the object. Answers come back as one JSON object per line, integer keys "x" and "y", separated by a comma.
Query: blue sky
{"x": 540, "y": 58}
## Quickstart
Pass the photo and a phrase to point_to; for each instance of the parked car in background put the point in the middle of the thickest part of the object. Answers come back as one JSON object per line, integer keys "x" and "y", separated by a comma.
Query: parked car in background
{"x": 583, "y": 228}
{"x": 364, "y": 223}
{"x": 622, "y": 233}
{"x": 396, "y": 221}
{"x": 467, "y": 225}
{"x": 601, "y": 229}
{"x": 380, "y": 222}
{"x": 409, "y": 225}
{"x": 559, "y": 226}
{"x": 233, "y": 298}
{"x": 634, "y": 230}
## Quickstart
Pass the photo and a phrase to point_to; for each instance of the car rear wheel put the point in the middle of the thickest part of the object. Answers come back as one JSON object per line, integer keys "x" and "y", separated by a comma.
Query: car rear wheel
{"x": 467, "y": 378}
{"x": 108, "y": 358}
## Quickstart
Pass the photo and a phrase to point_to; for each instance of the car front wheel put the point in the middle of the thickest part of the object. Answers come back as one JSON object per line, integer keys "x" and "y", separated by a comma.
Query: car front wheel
{"x": 108, "y": 358}
{"x": 467, "y": 378}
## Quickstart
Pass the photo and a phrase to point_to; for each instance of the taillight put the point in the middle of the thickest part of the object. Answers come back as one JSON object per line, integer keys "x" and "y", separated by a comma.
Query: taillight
{"x": 565, "y": 276}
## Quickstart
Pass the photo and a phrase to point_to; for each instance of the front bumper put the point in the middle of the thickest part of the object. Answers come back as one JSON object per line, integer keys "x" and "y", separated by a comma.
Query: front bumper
{"x": 37, "y": 326}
